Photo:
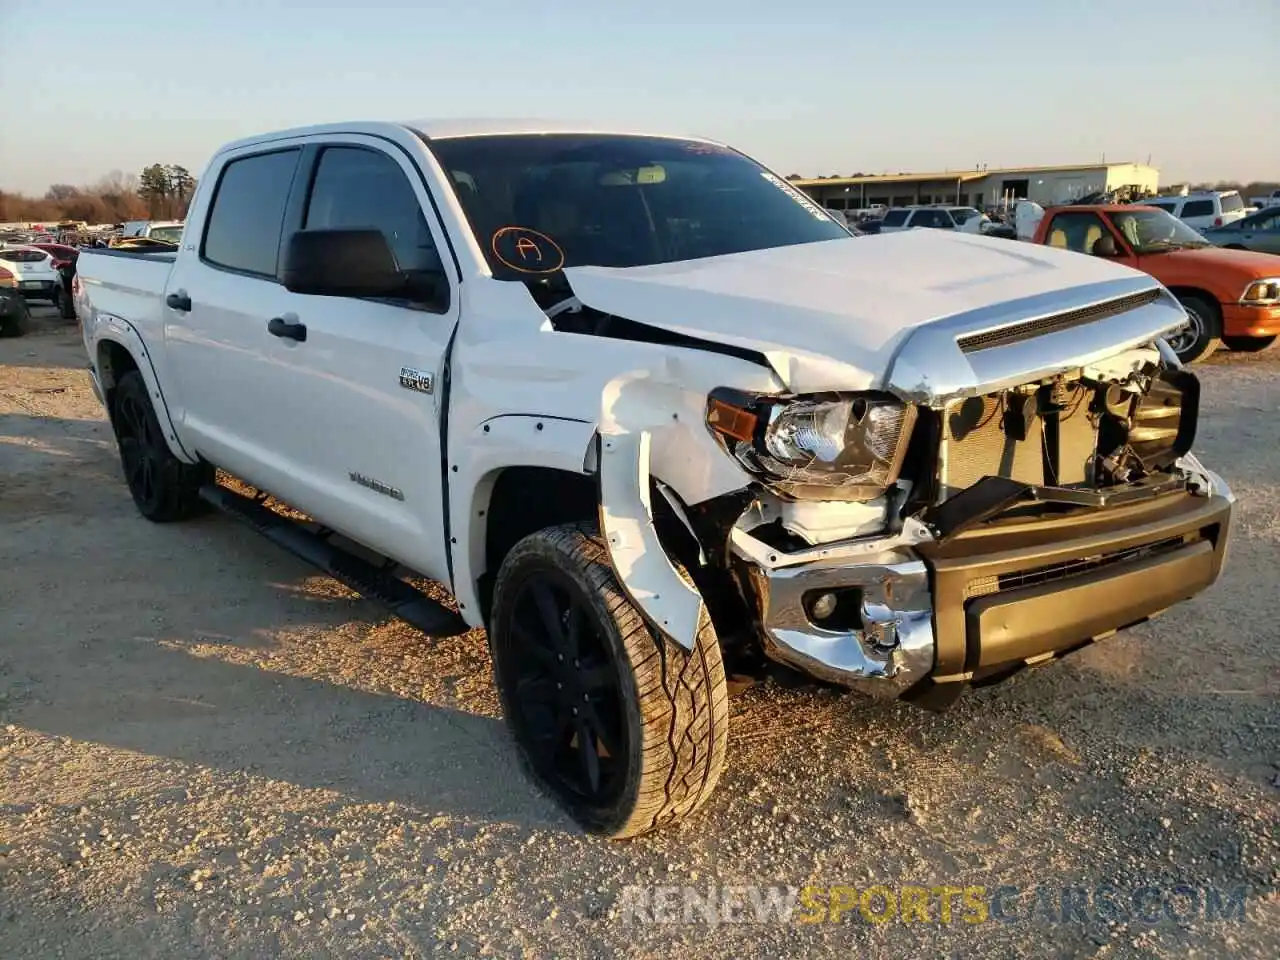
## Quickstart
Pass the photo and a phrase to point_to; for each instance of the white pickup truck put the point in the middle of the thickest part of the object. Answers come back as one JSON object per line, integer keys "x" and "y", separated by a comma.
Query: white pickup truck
{"x": 645, "y": 410}
{"x": 1267, "y": 202}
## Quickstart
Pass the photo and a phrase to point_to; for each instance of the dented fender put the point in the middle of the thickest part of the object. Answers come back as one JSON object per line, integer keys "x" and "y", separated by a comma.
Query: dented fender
{"x": 639, "y": 561}
{"x": 652, "y": 426}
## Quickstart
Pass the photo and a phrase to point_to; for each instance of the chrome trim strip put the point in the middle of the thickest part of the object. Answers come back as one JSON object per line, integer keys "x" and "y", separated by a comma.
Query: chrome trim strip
{"x": 930, "y": 368}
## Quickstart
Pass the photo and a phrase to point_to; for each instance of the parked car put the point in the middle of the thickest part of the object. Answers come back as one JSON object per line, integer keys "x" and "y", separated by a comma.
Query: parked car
{"x": 31, "y": 270}
{"x": 1269, "y": 200}
{"x": 168, "y": 231}
{"x": 1232, "y": 297}
{"x": 1259, "y": 231}
{"x": 64, "y": 263}
{"x": 937, "y": 218}
{"x": 665, "y": 426}
{"x": 1211, "y": 208}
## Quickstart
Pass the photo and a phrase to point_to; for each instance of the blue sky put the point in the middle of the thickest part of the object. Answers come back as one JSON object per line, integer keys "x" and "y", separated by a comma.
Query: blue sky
{"x": 817, "y": 87}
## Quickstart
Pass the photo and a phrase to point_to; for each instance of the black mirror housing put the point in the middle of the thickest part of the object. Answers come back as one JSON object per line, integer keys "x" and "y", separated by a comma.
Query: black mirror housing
{"x": 354, "y": 262}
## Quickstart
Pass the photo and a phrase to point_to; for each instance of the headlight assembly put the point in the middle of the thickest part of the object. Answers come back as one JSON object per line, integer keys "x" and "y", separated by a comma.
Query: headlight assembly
{"x": 830, "y": 447}
{"x": 1262, "y": 292}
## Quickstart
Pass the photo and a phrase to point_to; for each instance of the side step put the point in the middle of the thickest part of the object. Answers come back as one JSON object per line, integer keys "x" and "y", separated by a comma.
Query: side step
{"x": 367, "y": 579}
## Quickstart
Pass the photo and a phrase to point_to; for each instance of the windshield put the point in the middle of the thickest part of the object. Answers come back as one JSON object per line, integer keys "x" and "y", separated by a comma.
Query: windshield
{"x": 1154, "y": 231}
{"x": 540, "y": 202}
{"x": 166, "y": 234}
{"x": 961, "y": 214}
{"x": 1231, "y": 202}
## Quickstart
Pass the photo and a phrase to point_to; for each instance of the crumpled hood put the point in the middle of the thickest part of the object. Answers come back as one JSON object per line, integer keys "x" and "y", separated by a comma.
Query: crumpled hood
{"x": 833, "y": 313}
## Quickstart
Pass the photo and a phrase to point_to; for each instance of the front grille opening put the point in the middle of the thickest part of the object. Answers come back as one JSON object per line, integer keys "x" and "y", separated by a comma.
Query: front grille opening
{"x": 1005, "y": 336}
{"x": 1071, "y": 568}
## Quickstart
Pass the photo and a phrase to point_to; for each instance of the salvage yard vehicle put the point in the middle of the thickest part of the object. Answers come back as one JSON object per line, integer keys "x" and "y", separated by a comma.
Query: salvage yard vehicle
{"x": 1232, "y": 297}
{"x": 30, "y": 271}
{"x": 643, "y": 408}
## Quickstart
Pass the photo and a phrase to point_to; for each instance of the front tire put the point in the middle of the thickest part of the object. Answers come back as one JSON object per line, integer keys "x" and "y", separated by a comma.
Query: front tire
{"x": 1248, "y": 344}
{"x": 163, "y": 487}
{"x": 1200, "y": 337}
{"x": 624, "y": 727}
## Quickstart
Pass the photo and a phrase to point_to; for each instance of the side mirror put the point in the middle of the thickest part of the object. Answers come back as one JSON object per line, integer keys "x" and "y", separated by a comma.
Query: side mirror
{"x": 353, "y": 263}
{"x": 1105, "y": 246}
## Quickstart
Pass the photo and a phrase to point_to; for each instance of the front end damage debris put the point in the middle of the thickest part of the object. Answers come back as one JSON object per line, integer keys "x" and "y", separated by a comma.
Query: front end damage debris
{"x": 1029, "y": 521}
{"x": 1017, "y": 566}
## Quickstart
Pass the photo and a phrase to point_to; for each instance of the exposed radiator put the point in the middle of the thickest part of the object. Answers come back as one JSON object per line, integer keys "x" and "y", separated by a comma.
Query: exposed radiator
{"x": 1012, "y": 435}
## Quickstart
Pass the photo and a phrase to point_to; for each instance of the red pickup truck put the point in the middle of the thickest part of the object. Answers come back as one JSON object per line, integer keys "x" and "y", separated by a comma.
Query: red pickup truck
{"x": 1232, "y": 297}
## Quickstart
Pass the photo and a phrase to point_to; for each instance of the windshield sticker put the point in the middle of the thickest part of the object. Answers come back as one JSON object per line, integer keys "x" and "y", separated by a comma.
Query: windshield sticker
{"x": 810, "y": 207}
{"x": 527, "y": 251}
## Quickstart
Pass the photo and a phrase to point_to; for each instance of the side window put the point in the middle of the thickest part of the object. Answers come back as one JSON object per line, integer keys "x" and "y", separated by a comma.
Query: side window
{"x": 1197, "y": 208}
{"x": 1076, "y": 231}
{"x": 247, "y": 214}
{"x": 356, "y": 187}
{"x": 1271, "y": 223}
{"x": 895, "y": 218}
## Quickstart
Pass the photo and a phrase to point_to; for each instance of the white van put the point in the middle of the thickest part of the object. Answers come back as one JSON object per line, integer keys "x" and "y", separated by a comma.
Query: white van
{"x": 1203, "y": 209}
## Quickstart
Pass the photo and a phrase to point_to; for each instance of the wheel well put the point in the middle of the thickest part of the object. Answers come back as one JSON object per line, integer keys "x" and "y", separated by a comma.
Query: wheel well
{"x": 1204, "y": 295}
{"x": 524, "y": 500}
{"x": 114, "y": 361}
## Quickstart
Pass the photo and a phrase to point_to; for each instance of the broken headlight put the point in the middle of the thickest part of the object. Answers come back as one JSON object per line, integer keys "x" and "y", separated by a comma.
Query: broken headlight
{"x": 830, "y": 447}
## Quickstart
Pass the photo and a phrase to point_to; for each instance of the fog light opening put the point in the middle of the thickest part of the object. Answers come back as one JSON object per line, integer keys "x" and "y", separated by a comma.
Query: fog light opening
{"x": 824, "y": 605}
{"x": 838, "y": 609}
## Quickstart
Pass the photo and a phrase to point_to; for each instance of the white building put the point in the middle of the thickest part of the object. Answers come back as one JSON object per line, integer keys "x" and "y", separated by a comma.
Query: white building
{"x": 980, "y": 188}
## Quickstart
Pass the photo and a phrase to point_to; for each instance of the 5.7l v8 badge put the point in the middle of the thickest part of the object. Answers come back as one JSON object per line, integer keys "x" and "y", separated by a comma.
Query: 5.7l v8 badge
{"x": 419, "y": 380}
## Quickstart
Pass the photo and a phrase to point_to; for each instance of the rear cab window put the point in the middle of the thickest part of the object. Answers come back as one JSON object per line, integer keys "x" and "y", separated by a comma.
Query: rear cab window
{"x": 246, "y": 217}
{"x": 1231, "y": 202}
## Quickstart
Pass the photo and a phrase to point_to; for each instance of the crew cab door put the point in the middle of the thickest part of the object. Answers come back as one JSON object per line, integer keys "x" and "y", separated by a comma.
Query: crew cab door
{"x": 365, "y": 386}
{"x": 333, "y": 403}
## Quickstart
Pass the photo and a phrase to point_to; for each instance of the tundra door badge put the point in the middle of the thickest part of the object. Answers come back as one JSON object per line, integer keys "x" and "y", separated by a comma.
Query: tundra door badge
{"x": 419, "y": 380}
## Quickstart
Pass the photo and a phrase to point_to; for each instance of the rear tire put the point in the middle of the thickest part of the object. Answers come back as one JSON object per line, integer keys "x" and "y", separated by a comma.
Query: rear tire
{"x": 62, "y": 300}
{"x": 1248, "y": 344}
{"x": 163, "y": 487}
{"x": 623, "y": 726}
{"x": 1200, "y": 338}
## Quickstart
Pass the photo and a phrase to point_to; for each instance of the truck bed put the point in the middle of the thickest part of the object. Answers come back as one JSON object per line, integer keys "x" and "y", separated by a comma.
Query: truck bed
{"x": 125, "y": 283}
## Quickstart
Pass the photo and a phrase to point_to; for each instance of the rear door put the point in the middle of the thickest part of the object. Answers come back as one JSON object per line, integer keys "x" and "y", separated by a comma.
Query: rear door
{"x": 360, "y": 397}
{"x": 222, "y": 292}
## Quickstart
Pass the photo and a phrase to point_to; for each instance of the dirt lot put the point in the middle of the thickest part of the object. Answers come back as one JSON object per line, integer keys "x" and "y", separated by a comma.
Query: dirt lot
{"x": 207, "y": 750}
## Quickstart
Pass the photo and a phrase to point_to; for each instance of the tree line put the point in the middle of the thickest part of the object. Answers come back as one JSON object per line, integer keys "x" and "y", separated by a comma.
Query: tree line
{"x": 160, "y": 192}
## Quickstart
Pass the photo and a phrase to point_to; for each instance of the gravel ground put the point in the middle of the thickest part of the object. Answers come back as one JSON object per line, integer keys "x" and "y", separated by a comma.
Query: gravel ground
{"x": 208, "y": 750}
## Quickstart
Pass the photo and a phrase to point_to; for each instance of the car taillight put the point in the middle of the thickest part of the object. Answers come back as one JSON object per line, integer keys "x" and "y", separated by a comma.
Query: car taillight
{"x": 1217, "y": 221}
{"x": 6, "y": 278}
{"x": 75, "y": 285}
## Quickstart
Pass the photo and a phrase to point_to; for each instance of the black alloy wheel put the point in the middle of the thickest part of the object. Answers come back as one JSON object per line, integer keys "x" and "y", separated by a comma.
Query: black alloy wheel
{"x": 565, "y": 689}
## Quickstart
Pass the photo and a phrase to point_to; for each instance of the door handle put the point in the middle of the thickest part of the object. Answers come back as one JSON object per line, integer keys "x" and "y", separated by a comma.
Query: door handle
{"x": 178, "y": 301}
{"x": 279, "y": 327}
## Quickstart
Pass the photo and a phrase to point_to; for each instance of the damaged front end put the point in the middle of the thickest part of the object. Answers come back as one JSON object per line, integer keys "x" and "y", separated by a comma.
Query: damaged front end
{"x": 913, "y": 540}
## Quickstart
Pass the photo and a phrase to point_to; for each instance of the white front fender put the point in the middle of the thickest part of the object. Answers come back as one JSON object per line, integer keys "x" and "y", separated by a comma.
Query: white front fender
{"x": 639, "y": 561}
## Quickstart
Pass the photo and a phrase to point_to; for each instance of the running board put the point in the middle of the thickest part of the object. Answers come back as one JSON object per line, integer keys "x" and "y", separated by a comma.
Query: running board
{"x": 368, "y": 579}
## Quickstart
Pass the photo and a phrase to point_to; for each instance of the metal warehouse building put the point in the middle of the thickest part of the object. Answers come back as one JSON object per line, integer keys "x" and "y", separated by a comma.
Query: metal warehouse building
{"x": 980, "y": 188}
